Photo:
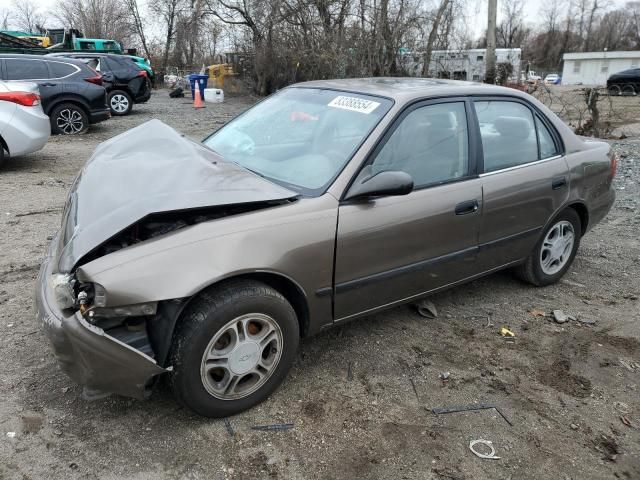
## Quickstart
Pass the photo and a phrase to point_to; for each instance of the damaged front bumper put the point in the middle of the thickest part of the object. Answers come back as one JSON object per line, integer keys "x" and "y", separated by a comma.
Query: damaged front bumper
{"x": 99, "y": 362}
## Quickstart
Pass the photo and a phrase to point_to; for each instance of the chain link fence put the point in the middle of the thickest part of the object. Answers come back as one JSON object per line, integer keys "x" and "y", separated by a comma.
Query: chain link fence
{"x": 592, "y": 111}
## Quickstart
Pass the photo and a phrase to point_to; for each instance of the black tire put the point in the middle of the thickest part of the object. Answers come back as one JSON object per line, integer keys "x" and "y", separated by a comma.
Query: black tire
{"x": 203, "y": 318}
{"x": 120, "y": 103}
{"x": 614, "y": 90}
{"x": 531, "y": 270}
{"x": 68, "y": 119}
{"x": 3, "y": 154}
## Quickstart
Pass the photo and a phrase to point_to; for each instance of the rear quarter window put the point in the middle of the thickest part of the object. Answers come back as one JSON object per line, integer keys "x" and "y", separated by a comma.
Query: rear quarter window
{"x": 61, "y": 70}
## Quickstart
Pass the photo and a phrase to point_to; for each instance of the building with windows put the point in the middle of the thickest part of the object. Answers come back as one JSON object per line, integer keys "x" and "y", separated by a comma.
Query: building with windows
{"x": 593, "y": 68}
{"x": 468, "y": 64}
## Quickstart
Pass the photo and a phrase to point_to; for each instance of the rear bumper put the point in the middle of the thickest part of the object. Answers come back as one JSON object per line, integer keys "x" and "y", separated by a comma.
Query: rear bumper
{"x": 27, "y": 132}
{"x": 85, "y": 352}
{"x": 97, "y": 116}
{"x": 600, "y": 209}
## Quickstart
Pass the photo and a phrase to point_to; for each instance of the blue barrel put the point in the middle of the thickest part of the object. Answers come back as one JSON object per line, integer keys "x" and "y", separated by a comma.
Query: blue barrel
{"x": 202, "y": 83}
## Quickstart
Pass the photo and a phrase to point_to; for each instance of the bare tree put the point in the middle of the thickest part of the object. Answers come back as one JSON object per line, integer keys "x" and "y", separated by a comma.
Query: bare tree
{"x": 96, "y": 18}
{"x": 432, "y": 36}
{"x": 27, "y": 16}
{"x": 511, "y": 29}
{"x": 134, "y": 11}
{"x": 168, "y": 11}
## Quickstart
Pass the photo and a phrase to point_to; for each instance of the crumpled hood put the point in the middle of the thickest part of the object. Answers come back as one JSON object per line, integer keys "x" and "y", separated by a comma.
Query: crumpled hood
{"x": 150, "y": 169}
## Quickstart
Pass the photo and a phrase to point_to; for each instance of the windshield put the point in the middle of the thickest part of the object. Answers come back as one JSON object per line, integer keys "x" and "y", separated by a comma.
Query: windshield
{"x": 300, "y": 137}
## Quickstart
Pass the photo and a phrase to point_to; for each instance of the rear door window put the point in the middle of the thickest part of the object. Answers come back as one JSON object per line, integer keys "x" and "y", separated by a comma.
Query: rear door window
{"x": 508, "y": 134}
{"x": 26, "y": 69}
{"x": 61, "y": 70}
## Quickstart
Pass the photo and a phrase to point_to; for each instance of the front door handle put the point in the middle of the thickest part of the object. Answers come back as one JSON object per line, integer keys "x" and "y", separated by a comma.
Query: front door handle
{"x": 47, "y": 84}
{"x": 558, "y": 183}
{"x": 464, "y": 208}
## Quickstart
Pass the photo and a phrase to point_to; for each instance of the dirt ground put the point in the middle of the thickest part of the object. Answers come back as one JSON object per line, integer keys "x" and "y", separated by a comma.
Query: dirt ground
{"x": 359, "y": 396}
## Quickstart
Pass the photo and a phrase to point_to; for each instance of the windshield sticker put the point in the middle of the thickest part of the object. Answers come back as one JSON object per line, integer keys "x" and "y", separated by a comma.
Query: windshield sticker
{"x": 354, "y": 104}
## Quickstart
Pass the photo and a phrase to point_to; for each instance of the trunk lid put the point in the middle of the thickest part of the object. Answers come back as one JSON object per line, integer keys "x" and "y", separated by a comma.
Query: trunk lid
{"x": 148, "y": 170}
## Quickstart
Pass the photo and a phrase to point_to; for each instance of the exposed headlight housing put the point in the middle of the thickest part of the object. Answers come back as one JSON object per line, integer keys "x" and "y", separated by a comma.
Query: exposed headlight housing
{"x": 62, "y": 287}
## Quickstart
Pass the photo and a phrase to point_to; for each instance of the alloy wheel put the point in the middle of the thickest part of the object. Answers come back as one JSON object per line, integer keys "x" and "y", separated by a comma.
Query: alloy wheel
{"x": 557, "y": 247}
{"x": 69, "y": 121}
{"x": 241, "y": 356}
{"x": 119, "y": 103}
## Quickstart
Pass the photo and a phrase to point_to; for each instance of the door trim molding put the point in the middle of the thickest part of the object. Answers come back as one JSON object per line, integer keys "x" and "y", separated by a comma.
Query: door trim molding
{"x": 424, "y": 264}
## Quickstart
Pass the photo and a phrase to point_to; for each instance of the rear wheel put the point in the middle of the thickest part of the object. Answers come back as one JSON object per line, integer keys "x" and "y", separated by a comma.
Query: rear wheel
{"x": 68, "y": 119}
{"x": 120, "y": 102}
{"x": 554, "y": 252}
{"x": 628, "y": 90}
{"x": 3, "y": 154}
{"x": 234, "y": 345}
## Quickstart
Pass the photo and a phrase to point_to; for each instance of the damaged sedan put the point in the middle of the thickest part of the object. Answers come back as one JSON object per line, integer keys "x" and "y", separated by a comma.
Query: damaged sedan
{"x": 326, "y": 202}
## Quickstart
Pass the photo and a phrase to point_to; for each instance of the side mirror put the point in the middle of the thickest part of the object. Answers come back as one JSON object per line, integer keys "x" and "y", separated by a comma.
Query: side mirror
{"x": 380, "y": 184}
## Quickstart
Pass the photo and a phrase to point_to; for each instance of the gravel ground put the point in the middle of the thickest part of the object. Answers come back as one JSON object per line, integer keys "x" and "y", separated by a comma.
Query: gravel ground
{"x": 359, "y": 395}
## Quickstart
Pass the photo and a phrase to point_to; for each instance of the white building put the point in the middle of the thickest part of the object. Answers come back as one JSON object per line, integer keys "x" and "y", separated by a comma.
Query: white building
{"x": 593, "y": 68}
{"x": 460, "y": 64}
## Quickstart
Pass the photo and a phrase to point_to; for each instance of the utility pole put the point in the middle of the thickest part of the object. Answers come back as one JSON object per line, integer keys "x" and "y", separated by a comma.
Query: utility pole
{"x": 490, "y": 73}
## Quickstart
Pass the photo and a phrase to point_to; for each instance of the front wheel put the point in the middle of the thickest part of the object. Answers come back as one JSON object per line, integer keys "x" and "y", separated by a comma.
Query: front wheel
{"x": 233, "y": 346}
{"x": 554, "y": 252}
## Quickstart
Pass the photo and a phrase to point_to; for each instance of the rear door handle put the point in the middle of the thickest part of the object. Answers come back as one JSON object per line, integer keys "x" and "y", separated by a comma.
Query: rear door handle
{"x": 47, "y": 84}
{"x": 558, "y": 182}
{"x": 464, "y": 208}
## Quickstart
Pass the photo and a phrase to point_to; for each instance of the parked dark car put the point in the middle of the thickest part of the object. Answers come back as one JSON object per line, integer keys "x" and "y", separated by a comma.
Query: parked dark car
{"x": 626, "y": 82}
{"x": 125, "y": 81}
{"x": 326, "y": 202}
{"x": 71, "y": 92}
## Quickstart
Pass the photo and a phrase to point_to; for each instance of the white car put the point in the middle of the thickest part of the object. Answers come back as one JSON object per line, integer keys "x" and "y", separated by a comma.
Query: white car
{"x": 552, "y": 79}
{"x": 24, "y": 128}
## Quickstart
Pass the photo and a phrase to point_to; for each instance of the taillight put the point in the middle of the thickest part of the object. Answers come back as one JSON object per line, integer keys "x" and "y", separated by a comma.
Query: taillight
{"x": 142, "y": 73}
{"x": 97, "y": 80}
{"x": 26, "y": 99}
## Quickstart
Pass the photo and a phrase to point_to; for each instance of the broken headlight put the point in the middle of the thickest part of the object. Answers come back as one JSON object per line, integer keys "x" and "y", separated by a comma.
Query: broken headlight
{"x": 62, "y": 287}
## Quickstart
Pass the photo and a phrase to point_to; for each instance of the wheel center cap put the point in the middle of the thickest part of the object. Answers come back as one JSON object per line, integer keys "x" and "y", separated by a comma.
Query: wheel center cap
{"x": 244, "y": 358}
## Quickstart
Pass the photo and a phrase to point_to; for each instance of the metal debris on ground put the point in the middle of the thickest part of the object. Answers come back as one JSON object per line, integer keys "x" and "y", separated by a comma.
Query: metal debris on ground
{"x": 274, "y": 427}
{"x": 415, "y": 389}
{"x": 624, "y": 419}
{"x": 444, "y": 377}
{"x": 490, "y": 456}
{"x": 349, "y": 372}
{"x": 227, "y": 425}
{"x": 427, "y": 309}
{"x": 471, "y": 408}
{"x": 505, "y": 332}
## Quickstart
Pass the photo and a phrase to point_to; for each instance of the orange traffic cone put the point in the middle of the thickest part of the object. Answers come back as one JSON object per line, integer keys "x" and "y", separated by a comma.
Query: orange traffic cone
{"x": 197, "y": 99}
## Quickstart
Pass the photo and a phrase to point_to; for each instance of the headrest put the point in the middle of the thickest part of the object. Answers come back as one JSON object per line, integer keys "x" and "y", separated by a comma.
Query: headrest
{"x": 513, "y": 127}
{"x": 440, "y": 120}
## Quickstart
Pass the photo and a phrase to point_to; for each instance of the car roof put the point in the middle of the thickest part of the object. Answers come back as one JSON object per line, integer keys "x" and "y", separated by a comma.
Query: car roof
{"x": 42, "y": 57}
{"x": 87, "y": 53}
{"x": 403, "y": 89}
